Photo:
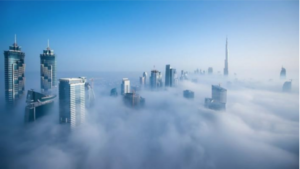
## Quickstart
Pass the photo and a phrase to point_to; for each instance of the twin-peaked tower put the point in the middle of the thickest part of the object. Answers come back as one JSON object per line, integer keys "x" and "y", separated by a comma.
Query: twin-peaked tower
{"x": 226, "y": 59}
{"x": 14, "y": 69}
{"x": 48, "y": 69}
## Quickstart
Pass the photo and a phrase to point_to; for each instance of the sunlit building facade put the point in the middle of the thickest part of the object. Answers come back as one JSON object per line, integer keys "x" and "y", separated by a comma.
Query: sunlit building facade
{"x": 72, "y": 101}
{"x": 125, "y": 86}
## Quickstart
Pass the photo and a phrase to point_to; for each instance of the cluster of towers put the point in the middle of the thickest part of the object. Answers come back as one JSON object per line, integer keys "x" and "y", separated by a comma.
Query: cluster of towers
{"x": 14, "y": 66}
{"x": 75, "y": 94}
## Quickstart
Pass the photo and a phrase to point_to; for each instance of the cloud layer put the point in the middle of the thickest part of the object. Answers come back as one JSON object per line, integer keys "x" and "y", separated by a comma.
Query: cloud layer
{"x": 259, "y": 129}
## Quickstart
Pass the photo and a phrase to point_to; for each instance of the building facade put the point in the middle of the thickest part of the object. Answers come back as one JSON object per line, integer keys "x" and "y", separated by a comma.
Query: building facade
{"x": 156, "y": 79}
{"x": 210, "y": 71}
{"x": 72, "y": 101}
{"x": 145, "y": 75}
{"x": 283, "y": 73}
{"x": 133, "y": 100}
{"x": 38, "y": 105}
{"x": 14, "y": 69}
{"x": 48, "y": 69}
{"x": 218, "y": 100}
{"x": 287, "y": 86}
{"x": 125, "y": 86}
{"x": 188, "y": 94}
{"x": 168, "y": 76}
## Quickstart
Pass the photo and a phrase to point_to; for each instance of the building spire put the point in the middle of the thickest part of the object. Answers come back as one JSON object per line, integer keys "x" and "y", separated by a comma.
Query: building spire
{"x": 48, "y": 44}
{"x": 15, "y": 38}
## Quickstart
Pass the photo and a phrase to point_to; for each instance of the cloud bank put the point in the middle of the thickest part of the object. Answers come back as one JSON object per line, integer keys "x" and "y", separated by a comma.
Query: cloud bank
{"x": 259, "y": 129}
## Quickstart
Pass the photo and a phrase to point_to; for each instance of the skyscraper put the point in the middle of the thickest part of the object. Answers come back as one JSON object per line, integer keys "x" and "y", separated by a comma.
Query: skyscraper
{"x": 71, "y": 101}
{"x": 14, "y": 69}
{"x": 168, "y": 76}
{"x": 218, "y": 100}
{"x": 145, "y": 75}
{"x": 287, "y": 86}
{"x": 188, "y": 94}
{"x": 125, "y": 86}
{"x": 142, "y": 81}
{"x": 226, "y": 59}
{"x": 155, "y": 79}
{"x": 171, "y": 76}
{"x": 210, "y": 71}
{"x": 282, "y": 73}
{"x": 38, "y": 105}
{"x": 48, "y": 69}
{"x": 89, "y": 93}
{"x": 133, "y": 100}
{"x": 114, "y": 92}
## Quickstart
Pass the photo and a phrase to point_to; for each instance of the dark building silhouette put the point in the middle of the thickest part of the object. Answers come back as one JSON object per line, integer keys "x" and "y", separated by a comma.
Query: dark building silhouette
{"x": 114, "y": 92}
{"x": 133, "y": 100}
{"x": 210, "y": 71}
{"x": 188, "y": 94}
{"x": 38, "y": 105}
{"x": 218, "y": 100}
{"x": 287, "y": 86}
{"x": 283, "y": 73}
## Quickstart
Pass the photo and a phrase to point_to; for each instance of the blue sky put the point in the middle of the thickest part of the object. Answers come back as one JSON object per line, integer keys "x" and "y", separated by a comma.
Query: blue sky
{"x": 135, "y": 36}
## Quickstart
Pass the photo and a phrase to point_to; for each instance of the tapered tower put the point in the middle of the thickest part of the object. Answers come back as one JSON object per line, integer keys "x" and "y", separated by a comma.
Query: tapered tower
{"x": 226, "y": 59}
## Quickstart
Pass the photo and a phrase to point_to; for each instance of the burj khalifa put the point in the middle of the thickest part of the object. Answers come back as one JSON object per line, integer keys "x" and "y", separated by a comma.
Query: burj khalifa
{"x": 226, "y": 59}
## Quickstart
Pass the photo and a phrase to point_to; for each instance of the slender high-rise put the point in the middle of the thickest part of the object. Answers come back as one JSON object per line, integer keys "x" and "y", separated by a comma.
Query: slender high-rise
{"x": 14, "y": 69}
{"x": 48, "y": 69}
{"x": 72, "y": 101}
{"x": 168, "y": 76}
{"x": 226, "y": 59}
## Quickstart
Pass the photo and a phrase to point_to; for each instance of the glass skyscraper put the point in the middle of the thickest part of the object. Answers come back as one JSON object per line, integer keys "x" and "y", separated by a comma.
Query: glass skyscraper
{"x": 168, "y": 76}
{"x": 48, "y": 69}
{"x": 72, "y": 101}
{"x": 14, "y": 69}
{"x": 156, "y": 79}
{"x": 171, "y": 77}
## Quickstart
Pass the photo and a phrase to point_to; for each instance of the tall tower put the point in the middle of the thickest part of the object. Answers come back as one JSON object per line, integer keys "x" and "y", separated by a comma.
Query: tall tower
{"x": 48, "y": 69}
{"x": 168, "y": 76}
{"x": 125, "y": 86}
{"x": 155, "y": 79}
{"x": 72, "y": 101}
{"x": 226, "y": 59}
{"x": 14, "y": 69}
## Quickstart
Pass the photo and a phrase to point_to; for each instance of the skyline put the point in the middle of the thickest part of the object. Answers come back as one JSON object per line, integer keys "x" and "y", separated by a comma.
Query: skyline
{"x": 130, "y": 84}
{"x": 134, "y": 39}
